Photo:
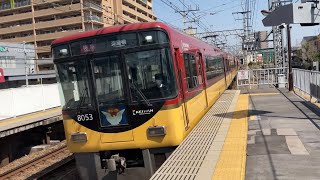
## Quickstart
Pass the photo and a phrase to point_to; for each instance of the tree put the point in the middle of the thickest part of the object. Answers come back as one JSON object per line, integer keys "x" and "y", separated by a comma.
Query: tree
{"x": 310, "y": 50}
{"x": 307, "y": 51}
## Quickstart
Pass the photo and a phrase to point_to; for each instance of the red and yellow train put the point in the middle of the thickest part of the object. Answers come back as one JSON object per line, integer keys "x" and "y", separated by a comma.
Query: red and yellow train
{"x": 133, "y": 87}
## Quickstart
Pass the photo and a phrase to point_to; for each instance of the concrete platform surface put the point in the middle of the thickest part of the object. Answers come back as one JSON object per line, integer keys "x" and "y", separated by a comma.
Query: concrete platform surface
{"x": 283, "y": 136}
{"x": 28, "y": 121}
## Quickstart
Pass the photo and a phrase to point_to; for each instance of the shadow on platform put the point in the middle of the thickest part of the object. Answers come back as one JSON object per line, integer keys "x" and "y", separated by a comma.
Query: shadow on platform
{"x": 243, "y": 113}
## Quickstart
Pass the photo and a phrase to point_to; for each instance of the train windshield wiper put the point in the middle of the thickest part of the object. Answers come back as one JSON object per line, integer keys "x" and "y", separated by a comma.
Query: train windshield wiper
{"x": 145, "y": 99}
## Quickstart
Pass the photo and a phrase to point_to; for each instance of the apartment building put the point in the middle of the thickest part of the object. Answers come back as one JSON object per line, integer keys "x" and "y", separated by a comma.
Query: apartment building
{"x": 39, "y": 22}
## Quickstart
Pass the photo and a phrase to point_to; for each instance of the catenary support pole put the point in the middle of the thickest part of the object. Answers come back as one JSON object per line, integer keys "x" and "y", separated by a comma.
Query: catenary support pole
{"x": 289, "y": 59}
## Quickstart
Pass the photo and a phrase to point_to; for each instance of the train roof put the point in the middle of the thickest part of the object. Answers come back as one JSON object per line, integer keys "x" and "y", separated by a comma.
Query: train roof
{"x": 112, "y": 29}
{"x": 132, "y": 27}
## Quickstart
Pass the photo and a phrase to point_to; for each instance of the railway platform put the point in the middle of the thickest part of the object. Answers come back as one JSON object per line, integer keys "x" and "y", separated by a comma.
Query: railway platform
{"x": 250, "y": 134}
{"x": 22, "y": 123}
{"x": 283, "y": 136}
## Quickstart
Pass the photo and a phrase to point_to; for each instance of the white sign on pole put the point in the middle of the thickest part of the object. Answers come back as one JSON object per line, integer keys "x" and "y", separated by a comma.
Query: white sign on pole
{"x": 243, "y": 75}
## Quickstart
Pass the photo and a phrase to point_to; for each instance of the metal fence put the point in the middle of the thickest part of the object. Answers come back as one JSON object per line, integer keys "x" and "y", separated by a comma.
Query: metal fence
{"x": 256, "y": 77}
{"x": 307, "y": 81}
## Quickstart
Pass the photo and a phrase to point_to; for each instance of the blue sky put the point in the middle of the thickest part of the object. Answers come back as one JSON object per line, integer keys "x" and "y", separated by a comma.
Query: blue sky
{"x": 223, "y": 18}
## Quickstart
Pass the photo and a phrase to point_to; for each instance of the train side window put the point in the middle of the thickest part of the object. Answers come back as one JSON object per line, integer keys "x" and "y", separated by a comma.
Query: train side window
{"x": 187, "y": 69}
{"x": 200, "y": 78}
{"x": 209, "y": 67}
{"x": 193, "y": 67}
{"x": 214, "y": 67}
{"x": 191, "y": 70}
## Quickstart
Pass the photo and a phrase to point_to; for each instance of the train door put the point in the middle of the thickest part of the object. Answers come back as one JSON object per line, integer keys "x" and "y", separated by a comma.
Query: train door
{"x": 183, "y": 89}
{"x": 110, "y": 94}
{"x": 225, "y": 71}
{"x": 194, "y": 83}
{"x": 201, "y": 74}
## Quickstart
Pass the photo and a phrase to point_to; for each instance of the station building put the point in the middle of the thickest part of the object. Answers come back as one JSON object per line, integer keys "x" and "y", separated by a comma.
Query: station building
{"x": 18, "y": 63}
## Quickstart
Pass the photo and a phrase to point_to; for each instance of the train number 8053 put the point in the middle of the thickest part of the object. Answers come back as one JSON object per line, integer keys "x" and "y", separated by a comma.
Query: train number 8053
{"x": 84, "y": 117}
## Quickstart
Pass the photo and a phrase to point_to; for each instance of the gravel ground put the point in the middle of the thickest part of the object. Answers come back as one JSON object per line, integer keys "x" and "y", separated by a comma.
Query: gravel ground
{"x": 30, "y": 157}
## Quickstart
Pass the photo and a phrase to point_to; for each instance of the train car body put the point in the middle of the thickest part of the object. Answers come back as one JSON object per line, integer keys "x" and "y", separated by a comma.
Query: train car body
{"x": 137, "y": 86}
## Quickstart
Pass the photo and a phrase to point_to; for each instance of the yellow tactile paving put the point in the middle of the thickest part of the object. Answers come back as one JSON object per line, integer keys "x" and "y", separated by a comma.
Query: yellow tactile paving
{"x": 232, "y": 160}
{"x": 30, "y": 116}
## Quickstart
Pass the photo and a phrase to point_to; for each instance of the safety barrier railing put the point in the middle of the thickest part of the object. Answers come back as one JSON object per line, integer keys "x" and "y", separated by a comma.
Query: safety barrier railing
{"x": 255, "y": 77}
{"x": 307, "y": 81}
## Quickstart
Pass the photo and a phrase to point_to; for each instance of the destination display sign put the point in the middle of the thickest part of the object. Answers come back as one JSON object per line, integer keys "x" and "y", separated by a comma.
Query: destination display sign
{"x": 110, "y": 42}
{"x": 102, "y": 44}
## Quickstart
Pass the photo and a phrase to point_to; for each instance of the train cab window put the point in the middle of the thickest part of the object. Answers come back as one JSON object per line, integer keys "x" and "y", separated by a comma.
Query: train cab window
{"x": 163, "y": 38}
{"x": 150, "y": 74}
{"x": 108, "y": 80}
{"x": 73, "y": 79}
{"x": 191, "y": 70}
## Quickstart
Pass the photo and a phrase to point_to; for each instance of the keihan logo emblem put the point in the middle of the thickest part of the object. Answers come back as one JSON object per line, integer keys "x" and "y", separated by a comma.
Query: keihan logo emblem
{"x": 142, "y": 112}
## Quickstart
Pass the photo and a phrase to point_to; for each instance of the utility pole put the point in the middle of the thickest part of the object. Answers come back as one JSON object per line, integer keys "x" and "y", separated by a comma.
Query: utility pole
{"x": 115, "y": 10}
{"x": 91, "y": 19}
{"x": 246, "y": 41}
{"x": 26, "y": 63}
{"x": 289, "y": 59}
{"x": 184, "y": 13}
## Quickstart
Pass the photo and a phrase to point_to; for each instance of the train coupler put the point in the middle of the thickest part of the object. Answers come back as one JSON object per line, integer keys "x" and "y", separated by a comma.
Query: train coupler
{"x": 117, "y": 163}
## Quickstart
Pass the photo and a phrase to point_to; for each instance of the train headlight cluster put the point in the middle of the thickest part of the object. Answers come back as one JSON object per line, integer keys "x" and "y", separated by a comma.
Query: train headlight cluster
{"x": 79, "y": 137}
{"x": 156, "y": 131}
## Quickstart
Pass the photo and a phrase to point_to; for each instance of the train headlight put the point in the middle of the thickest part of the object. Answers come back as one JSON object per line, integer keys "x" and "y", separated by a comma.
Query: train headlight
{"x": 149, "y": 39}
{"x": 156, "y": 131}
{"x": 79, "y": 137}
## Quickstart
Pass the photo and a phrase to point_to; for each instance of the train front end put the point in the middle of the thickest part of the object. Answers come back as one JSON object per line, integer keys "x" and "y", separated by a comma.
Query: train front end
{"x": 119, "y": 92}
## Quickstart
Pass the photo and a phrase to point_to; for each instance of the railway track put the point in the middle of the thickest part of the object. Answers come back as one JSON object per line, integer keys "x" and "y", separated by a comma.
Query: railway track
{"x": 40, "y": 166}
{"x": 65, "y": 171}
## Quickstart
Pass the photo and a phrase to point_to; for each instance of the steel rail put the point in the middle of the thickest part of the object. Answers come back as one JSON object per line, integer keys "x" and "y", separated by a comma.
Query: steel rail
{"x": 34, "y": 162}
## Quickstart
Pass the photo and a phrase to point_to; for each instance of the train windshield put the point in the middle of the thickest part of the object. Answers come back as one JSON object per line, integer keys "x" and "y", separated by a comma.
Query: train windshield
{"x": 150, "y": 74}
{"x": 108, "y": 80}
{"x": 119, "y": 69}
{"x": 73, "y": 77}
